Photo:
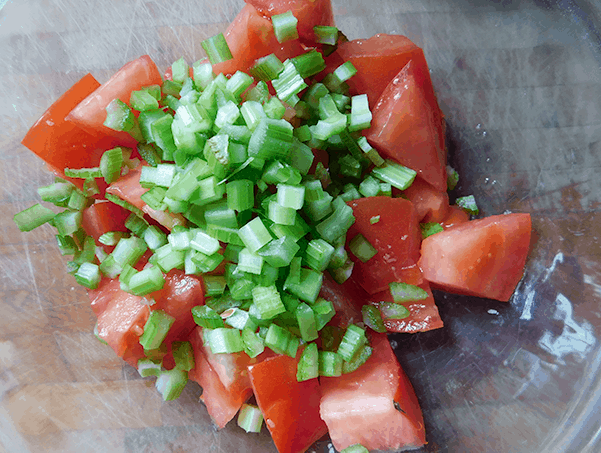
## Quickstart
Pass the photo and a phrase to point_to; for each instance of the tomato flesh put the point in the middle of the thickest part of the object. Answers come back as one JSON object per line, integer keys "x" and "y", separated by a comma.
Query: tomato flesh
{"x": 431, "y": 205}
{"x": 122, "y": 316}
{"x": 455, "y": 216}
{"x": 103, "y": 217}
{"x": 62, "y": 144}
{"x": 290, "y": 408}
{"x": 309, "y": 14}
{"x": 423, "y": 315}
{"x": 90, "y": 113}
{"x": 347, "y": 299}
{"x": 251, "y": 36}
{"x": 396, "y": 237}
{"x": 406, "y": 128}
{"x": 128, "y": 188}
{"x": 359, "y": 407}
{"x": 482, "y": 257}
{"x": 221, "y": 404}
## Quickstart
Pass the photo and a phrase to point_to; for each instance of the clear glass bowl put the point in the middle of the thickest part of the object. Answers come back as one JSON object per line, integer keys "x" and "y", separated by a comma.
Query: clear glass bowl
{"x": 520, "y": 85}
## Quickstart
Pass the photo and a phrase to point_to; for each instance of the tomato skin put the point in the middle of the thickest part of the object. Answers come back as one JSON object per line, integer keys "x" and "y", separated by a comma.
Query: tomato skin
{"x": 102, "y": 217}
{"x": 290, "y": 408}
{"x": 358, "y": 407}
{"x": 90, "y": 113}
{"x": 396, "y": 237}
{"x": 222, "y": 403}
{"x": 308, "y": 13}
{"x": 484, "y": 257}
{"x": 251, "y": 36}
{"x": 406, "y": 128}
{"x": 431, "y": 205}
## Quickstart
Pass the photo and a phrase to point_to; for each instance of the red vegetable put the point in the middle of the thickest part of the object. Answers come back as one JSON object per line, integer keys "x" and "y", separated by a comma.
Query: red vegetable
{"x": 90, "y": 113}
{"x": 290, "y": 408}
{"x": 423, "y": 313}
{"x": 482, "y": 257}
{"x": 308, "y": 13}
{"x": 379, "y": 59}
{"x": 121, "y": 316}
{"x": 396, "y": 237}
{"x": 431, "y": 205}
{"x": 455, "y": 216}
{"x": 407, "y": 128}
{"x": 359, "y": 407}
{"x": 128, "y": 188}
{"x": 61, "y": 143}
{"x": 250, "y": 36}
{"x": 222, "y": 402}
{"x": 102, "y": 217}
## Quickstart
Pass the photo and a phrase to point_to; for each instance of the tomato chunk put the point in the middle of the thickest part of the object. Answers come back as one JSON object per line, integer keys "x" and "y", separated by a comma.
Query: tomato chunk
{"x": 251, "y": 36}
{"x": 347, "y": 299}
{"x": 359, "y": 407}
{"x": 423, "y": 315}
{"x": 309, "y": 14}
{"x": 102, "y": 217}
{"x": 431, "y": 205}
{"x": 122, "y": 316}
{"x": 61, "y": 143}
{"x": 407, "y": 128}
{"x": 121, "y": 323}
{"x": 128, "y": 188}
{"x": 482, "y": 257}
{"x": 455, "y": 216}
{"x": 396, "y": 236}
{"x": 223, "y": 400}
{"x": 379, "y": 59}
{"x": 90, "y": 113}
{"x": 180, "y": 293}
{"x": 290, "y": 408}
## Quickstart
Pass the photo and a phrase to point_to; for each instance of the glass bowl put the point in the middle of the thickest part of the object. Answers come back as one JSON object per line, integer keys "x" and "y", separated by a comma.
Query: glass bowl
{"x": 520, "y": 85}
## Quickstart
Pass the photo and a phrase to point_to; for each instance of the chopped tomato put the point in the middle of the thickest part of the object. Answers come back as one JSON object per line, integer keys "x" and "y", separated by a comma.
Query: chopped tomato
{"x": 290, "y": 408}
{"x": 102, "y": 217}
{"x": 128, "y": 188}
{"x": 180, "y": 293}
{"x": 361, "y": 407}
{"x": 406, "y": 128}
{"x": 101, "y": 296}
{"x": 122, "y": 322}
{"x": 122, "y": 316}
{"x": 423, "y": 316}
{"x": 347, "y": 298}
{"x": 251, "y": 36}
{"x": 455, "y": 216}
{"x": 62, "y": 144}
{"x": 482, "y": 257}
{"x": 431, "y": 205}
{"x": 222, "y": 404}
{"x": 232, "y": 370}
{"x": 90, "y": 114}
{"x": 396, "y": 237}
{"x": 309, "y": 14}
{"x": 379, "y": 59}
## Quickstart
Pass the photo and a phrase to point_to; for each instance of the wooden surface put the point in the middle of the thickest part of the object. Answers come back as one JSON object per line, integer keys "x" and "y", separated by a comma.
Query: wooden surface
{"x": 520, "y": 84}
